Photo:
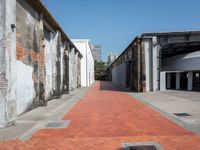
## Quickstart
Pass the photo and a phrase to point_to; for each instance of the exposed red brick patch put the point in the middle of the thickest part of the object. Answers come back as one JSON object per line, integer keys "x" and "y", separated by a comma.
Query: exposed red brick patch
{"x": 23, "y": 53}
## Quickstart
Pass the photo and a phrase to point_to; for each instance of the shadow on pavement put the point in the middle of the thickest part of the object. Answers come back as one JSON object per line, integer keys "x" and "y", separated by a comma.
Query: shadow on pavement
{"x": 109, "y": 86}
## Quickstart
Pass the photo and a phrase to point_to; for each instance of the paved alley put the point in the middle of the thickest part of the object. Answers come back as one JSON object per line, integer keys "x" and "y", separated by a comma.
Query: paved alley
{"x": 104, "y": 119}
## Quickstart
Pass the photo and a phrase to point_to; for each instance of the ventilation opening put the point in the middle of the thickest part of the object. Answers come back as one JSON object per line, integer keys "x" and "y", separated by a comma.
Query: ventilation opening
{"x": 182, "y": 114}
{"x": 61, "y": 124}
{"x": 142, "y": 146}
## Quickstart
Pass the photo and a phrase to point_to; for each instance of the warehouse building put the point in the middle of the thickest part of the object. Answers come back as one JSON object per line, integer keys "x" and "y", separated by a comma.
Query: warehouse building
{"x": 159, "y": 61}
{"x": 87, "y": 61}
{"x": 38, "y": 62}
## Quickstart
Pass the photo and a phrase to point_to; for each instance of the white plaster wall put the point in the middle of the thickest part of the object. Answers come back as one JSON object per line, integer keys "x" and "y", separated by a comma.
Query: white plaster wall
{"x": 147, "y": 64}
{"x": 3, "y": 117}
{"x": 71, "y": 69}
{"x": 90, "y": 64}
{"x": 49, "y": 68}
{"x": 53, "y": 50}
{"x": 25, "y": 87}
{"x": 50, "y": 62}
{"x": 7, "y": 61}
{"x": 82, "y": 47}
{"x": 75, "y": 70}
{"x": 92, "y": 69}
{"x": 155, "y": 64}
{"x": 62, "y": 50}
{"x": 185, "y": 62}
{"x": 162, "y": 81}
{"x": 87, "y": 61}
{"x": 150, "y": 64}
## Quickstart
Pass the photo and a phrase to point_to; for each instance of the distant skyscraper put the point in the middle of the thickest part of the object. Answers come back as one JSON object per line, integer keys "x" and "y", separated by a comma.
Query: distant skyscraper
{"x": 111, "y": 58}
{"x": 96, "y": 51}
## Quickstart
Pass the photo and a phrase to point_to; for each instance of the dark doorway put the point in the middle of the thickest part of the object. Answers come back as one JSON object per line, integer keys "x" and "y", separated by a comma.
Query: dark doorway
{"x": 183, "y": 81}
{"x": 196, "y": 81}
{"x": 173, "y": 80}
{"x": 128, "y": 74}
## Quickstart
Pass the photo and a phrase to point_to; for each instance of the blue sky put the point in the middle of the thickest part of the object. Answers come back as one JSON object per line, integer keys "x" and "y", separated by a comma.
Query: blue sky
{"x": 114, "y": 23}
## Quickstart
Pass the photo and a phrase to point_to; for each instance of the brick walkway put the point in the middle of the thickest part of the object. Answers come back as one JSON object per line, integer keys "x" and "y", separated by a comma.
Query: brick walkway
{"x": 104, "y": 119}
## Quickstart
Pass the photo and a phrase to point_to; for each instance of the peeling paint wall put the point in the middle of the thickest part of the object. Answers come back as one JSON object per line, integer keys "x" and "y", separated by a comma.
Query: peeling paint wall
{"x": 119, "y": 75}
{"x": 34, "y": 59}
{"x": 7, "y": 62}
{"x": 65, "y": 67}
{"x": 30, "y": 58}
{"x": 49, "y": 64}
{"x": 63, "y": 46}
{"x": 56, "y": 60}
{"x": 56, "y": 65}
{"x": 72, "y": 74}
{"x": 56, "y": 46}
{"x": 79, "y": 71}
{"x": 74, "y": 69}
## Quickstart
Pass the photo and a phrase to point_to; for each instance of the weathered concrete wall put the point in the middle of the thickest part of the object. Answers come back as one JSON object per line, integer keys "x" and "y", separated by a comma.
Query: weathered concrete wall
{"x": 34, "y": 59}
{"x": 71, "y": 69}
{"x": 79, "y": 71}
{"x": 65, "y": 66}
{"x": 49, "y": 63}
{"x": 7, "y": 62}
{"x": 147, "y": 44}
{"x": 74, "y": 69}
{"x": 75, "y": 83}
{"x": 135, "y": 75}
{"x": 119, "y": 75}
{"x": 56, "y": 61}
{"x": 135, "y": 65}
{"x": 30, "y": 58}
{"x": 56, "y": 48}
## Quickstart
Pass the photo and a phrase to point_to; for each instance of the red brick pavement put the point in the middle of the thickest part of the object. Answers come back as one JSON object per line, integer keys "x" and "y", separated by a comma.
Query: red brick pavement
{"x": 105, "y": 118}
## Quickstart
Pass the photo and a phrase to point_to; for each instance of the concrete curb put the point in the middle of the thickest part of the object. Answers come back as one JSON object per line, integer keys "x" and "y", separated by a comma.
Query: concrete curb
{"x": 186, "y": 126}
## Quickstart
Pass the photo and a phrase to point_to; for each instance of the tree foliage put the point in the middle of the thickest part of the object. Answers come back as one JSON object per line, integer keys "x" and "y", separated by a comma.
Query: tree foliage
{"x": 100, "y": 70}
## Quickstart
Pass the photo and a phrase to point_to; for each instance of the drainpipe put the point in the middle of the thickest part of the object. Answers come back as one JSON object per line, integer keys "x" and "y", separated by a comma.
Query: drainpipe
{"x": 140, "y": 89}
{"x": 86, "y": 66}
{"x": 159, "y": 64}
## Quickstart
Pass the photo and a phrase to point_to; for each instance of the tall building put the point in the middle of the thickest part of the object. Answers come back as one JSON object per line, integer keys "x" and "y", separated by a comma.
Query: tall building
{"x": 96, "y": 52}
{"x": 111, "y": 58}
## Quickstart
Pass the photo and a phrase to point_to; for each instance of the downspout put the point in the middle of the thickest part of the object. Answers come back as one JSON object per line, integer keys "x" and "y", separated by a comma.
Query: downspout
{"x": 159, "y": 64}
{"x": 86, "y": 66}
{"x": 139, "y": 89}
